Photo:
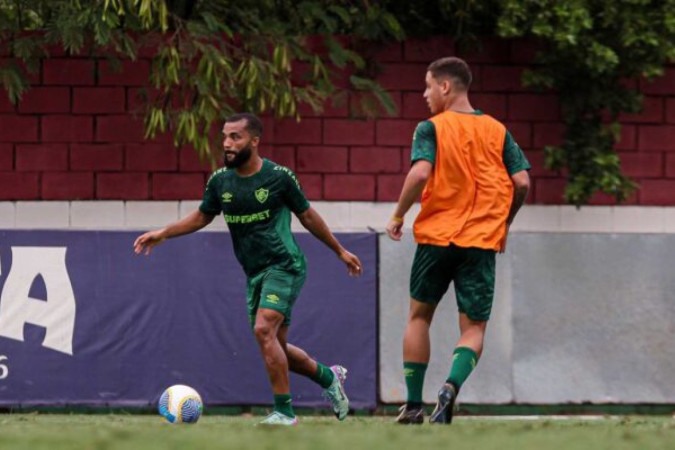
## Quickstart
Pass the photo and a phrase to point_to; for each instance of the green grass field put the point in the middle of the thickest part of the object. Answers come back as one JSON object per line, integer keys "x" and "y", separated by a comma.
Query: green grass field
{"x": 118, "y": 431}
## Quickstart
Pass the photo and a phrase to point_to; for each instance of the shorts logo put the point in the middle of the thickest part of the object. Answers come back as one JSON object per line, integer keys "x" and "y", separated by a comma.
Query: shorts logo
{"x": 227, "y": 197}
{"x": 262, "y": 194}
{"x": 272, "y": 298}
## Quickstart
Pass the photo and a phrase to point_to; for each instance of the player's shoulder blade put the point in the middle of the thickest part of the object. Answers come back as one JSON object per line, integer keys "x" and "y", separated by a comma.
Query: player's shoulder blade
{"x": 488, "y": 118}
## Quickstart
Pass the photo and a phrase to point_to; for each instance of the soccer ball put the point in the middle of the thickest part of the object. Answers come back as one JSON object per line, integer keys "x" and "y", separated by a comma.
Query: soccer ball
{"x": 180, "y": 404}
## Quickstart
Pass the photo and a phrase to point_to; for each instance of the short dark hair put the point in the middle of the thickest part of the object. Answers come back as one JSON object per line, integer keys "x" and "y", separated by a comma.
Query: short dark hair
{"x": 253, "y": 123}
{"x": 453, "y": 67}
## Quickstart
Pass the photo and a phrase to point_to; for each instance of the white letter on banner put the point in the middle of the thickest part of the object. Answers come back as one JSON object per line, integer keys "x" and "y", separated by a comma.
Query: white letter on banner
{"x": 4, "y": 370}
{"x": 57, "y": 314}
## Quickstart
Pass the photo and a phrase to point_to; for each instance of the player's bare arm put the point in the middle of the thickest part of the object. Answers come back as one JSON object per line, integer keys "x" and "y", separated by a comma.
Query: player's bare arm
{"x": 315, "y": 224}
{"x": 521, "y": 186}
{"x": 194, "y": 221}
{"x": 412, "y": 189}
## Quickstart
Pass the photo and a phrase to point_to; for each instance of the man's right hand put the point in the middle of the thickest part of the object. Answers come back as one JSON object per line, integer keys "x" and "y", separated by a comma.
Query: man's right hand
{"x": 502, "y": 244}
{"x": 354, "y": 266}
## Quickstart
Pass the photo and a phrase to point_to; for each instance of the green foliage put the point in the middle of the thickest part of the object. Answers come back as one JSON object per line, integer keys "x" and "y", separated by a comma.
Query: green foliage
{"x": 463, "y": 20}
{"x": 214, "y": 57}
{"x": 211, "y": 58}
{"x": 590, "y": 50}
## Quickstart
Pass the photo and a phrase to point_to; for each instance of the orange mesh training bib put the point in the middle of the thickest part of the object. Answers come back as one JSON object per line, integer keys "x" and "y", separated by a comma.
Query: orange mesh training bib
{"x": 466, "y": 200}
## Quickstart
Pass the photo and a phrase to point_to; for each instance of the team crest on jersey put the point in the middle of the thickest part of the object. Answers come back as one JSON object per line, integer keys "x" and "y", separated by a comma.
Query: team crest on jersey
{"x": 262, "y": 194}
{"x": 227, "y": 197}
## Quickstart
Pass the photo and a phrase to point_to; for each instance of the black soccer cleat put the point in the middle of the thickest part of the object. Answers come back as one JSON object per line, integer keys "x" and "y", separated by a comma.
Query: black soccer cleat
{"x": 444, "y": 406}
{"x": 410, "y": 416}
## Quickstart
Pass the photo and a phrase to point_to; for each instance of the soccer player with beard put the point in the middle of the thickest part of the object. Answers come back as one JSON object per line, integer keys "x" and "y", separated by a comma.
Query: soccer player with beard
{"x": 257, "y": 197}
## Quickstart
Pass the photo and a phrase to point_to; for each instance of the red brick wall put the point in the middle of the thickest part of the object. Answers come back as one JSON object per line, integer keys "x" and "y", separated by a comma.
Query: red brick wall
{"x": 77, "y": 134}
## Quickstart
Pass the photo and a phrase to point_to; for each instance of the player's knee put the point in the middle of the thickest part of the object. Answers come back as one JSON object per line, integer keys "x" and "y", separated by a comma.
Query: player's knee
{"x": 421, "y": 316}
{"x": 264, "y": 332}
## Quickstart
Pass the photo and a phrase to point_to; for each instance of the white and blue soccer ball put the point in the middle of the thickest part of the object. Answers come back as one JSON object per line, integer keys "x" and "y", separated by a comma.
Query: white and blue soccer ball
{"x": 180, "y": 404}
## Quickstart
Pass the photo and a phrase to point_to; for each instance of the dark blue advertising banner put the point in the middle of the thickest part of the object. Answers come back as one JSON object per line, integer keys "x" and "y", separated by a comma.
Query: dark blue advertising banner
{"x": 85, "y": 321}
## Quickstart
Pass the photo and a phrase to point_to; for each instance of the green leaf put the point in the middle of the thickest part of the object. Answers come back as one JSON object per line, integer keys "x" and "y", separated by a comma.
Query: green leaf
{"x": 13, "y": 81}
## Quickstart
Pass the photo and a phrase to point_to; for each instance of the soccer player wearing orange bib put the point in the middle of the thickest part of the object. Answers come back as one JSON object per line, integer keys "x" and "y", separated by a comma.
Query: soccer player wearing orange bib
{"x": 472, "y": 177}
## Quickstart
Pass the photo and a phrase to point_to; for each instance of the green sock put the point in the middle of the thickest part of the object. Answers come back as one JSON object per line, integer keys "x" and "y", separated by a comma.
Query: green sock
{"x": 414, "y": 381}
{"x": 282, "y": 404}
{"x": 464, "y": 360}
{"x": 323, "y": 376}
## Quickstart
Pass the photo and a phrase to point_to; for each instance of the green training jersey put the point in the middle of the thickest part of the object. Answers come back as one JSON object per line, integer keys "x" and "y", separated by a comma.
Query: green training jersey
{"x": 424, "y": 147}
{"x": 257, "y": 210}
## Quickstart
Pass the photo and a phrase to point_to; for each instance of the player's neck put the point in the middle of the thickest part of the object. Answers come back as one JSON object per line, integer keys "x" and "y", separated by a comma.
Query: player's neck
{"x": 251, "y": 167}
{"x": 459, "y": 104}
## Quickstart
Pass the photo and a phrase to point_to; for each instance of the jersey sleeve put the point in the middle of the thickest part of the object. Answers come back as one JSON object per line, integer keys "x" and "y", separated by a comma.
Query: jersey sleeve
{"x": 210, "y": 201}
{"x": 513, "y": 156}
{"x": 293, "y": 196}
{"x": 424, "y": 142}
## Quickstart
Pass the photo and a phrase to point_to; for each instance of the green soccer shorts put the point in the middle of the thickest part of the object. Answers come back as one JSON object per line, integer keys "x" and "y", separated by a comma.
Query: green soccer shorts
{"x": 275, "y": 289}
{"x": 471, "y": 269}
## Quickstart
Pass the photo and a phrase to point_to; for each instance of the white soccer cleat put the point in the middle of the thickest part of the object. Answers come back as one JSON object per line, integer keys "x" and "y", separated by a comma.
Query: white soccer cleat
{"x": 277, "y": 418}
{"x": 335, "y": 393}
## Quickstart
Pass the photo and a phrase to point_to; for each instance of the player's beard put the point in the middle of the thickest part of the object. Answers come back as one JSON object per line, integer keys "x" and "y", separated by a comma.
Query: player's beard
{"x": 240, "y": 158}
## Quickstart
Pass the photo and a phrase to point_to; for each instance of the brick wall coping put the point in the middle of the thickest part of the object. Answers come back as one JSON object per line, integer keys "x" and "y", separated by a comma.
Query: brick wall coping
{"x": 341, "y": 216}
